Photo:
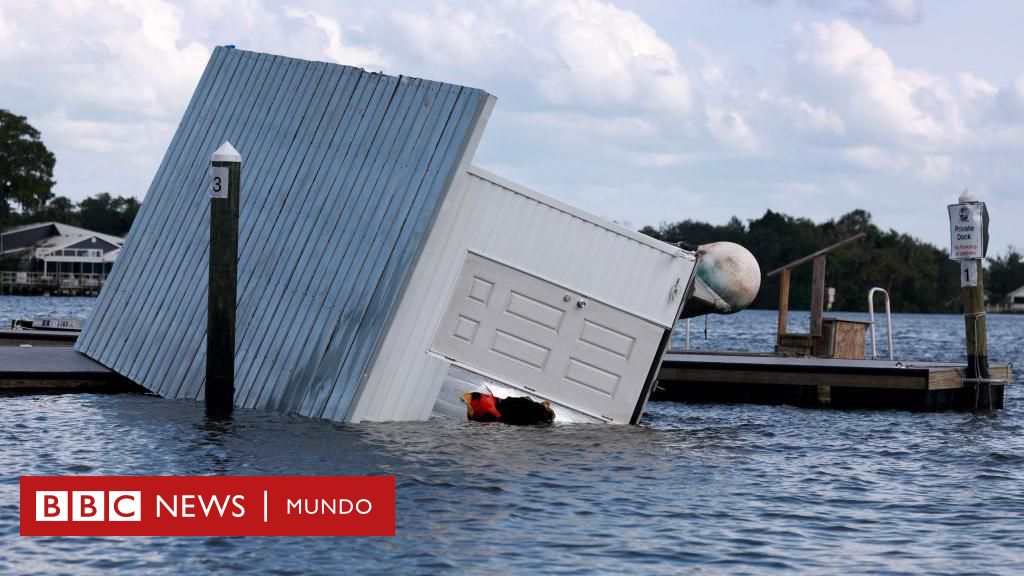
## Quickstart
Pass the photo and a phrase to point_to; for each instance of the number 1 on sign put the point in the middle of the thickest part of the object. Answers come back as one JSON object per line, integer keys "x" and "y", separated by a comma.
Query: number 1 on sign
{"x": 968, "y": 273}
{"x": 219, "y": 182}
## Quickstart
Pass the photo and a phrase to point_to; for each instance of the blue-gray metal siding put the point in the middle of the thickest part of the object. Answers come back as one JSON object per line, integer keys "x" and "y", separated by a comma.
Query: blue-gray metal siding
{"x": 343, "y": 172}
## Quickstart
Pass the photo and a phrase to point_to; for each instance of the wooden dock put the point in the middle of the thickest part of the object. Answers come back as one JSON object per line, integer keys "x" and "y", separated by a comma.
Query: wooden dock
{"x": 841, "y": 383}
{"x": 56, "y": 369}
{"x": 730, "y": 377}
{"x": 32, "y": 283}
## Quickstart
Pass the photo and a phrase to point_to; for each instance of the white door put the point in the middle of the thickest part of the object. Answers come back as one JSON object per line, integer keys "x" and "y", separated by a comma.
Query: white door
{"x": 547, "y": 339}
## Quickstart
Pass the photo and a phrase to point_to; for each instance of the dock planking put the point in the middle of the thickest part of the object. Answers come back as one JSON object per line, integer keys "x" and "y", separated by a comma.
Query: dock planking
{"x": 841, "y": 383}
{"x": 56, "y": 369}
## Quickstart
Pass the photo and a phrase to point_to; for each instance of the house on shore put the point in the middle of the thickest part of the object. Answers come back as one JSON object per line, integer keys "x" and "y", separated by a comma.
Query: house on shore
{"x": 1013, "y": 302}
{"x": 57, "y": 258}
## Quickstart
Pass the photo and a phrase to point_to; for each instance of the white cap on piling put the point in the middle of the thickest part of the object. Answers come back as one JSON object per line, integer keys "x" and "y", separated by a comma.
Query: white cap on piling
{"x": 967, "y": 196}
{"x": 226, "y": 153}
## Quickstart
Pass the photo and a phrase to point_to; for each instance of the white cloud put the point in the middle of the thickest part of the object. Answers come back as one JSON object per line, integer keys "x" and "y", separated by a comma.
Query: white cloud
{"x": 588, "y": 125}
{"x": 573, "y": 52}
{"x": 1011, "y": 99}
{"x": 878, "y": 99}
{"x": 609, "y": 56}
{"x": 936, "y": 167}
{"x": 7, "y": 33}
{"x": 445, "y": 34}
{"x": 659, "y": 159}
{"x": 337, "y": 49}
{"x": 731, "y": 129}
{"x": 885, "y": 11}
{"x": 806, "y": 117}
{"x": 131, "y": 62}
{"x": 592, "y": 97}
{"x": 98, "y": 78}
{"x": 876, "y": 159}
{"x": 103, "y": 137}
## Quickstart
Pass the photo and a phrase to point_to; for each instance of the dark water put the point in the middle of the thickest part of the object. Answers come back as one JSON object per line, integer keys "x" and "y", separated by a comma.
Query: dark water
{"x": 697, "y": 488}
{"x": 29, "y": 307}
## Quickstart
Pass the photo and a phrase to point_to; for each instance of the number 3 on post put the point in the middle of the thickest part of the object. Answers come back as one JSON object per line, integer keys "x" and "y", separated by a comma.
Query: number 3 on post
{"x": 219, "y": 182}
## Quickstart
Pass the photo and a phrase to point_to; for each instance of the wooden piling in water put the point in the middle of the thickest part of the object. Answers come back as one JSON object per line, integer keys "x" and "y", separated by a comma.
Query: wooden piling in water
{"x": 968, "y": 236}
{"x": 226, "y": 173}
{"x": 976, "y": 329}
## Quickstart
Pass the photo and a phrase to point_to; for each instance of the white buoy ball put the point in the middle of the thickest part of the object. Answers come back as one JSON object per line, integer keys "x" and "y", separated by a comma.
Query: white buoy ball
{"x": 731, "y": 272}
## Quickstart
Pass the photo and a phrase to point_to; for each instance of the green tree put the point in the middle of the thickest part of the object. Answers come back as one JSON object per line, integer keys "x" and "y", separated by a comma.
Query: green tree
{"x": 58, "y": 209}
{"x": 107, "y": 214}
{"x": 918, "y": 276}
{"x": 26, "y": 166}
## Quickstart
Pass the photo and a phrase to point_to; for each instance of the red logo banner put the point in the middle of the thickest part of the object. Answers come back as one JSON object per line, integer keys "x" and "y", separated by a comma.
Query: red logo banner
{"x": 207, "y": 505}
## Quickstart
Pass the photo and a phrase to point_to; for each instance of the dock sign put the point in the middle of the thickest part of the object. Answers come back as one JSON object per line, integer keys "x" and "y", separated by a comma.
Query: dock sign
{"x": 966, "y": 231}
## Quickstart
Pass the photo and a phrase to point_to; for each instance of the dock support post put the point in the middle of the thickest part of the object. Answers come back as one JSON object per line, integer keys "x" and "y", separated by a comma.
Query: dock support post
{"x": 968, "y": 235}
{"x": 977, "y": 338}
{"x": 817, "y": 294}
{"x": 783, "y": 302}
{"x": 225, "y": 176}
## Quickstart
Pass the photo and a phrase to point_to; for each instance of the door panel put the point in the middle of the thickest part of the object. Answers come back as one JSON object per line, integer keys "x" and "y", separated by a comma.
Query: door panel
{"x": 547, "y": 339}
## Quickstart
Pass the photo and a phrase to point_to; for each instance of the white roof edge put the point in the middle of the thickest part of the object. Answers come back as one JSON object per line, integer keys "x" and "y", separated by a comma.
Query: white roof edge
{"x": 71, "y": 241}
{"x": 68, "y": 229}
{"x": 576, "y": 212}
{"x": 226, "y": 153}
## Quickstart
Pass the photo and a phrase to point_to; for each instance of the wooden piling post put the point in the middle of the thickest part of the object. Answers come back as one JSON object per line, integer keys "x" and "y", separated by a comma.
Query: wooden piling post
{"x": 225, "y": 184}
{"x": 817, "y": 294}
{"x": 968, "y": 238}
{"x": 976, "y": 329}
{"x": 783, "y": 301}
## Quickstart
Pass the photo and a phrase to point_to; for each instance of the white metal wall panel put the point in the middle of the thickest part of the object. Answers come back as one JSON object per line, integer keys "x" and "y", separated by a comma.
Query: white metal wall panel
{"x": 343, "y": 174}
{"x": 492, "y": 216}
{"x": 547, "y": 339}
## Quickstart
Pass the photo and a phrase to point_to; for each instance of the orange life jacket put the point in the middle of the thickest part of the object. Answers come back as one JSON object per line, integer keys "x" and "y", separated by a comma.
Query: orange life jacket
{"x": 486, "y": 404}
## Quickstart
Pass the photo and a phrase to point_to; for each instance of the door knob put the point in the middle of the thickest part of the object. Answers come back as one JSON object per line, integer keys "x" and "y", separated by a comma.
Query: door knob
{"x": 581, "y": 304}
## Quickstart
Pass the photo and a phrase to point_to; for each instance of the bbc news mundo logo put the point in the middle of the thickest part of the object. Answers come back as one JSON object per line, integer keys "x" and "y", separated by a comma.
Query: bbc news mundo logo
{"x": 207, "y": 505}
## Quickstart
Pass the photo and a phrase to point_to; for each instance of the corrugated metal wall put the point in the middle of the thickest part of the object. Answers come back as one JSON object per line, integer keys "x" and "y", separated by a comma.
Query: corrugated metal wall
{"x": 508, "y": 222}
{"x": 343, "y": 174}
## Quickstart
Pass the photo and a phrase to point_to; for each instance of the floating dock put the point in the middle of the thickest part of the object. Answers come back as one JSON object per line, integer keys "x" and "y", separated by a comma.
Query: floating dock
{"x": 738, "y": 377}
{"x": 56, "y": 369}
{"x": 729, "y": 377}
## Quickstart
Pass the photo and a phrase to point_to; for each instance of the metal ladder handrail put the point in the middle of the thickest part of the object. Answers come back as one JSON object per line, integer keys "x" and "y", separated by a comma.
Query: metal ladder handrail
{"x": 888, "y": 320}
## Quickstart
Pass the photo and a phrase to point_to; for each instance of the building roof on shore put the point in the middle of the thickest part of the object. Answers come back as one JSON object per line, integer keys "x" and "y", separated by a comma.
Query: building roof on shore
{"x": 53, "y": 236}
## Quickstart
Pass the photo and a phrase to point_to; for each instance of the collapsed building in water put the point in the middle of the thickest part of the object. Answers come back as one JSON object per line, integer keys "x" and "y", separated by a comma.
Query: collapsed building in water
{"x": 373, "y": 256}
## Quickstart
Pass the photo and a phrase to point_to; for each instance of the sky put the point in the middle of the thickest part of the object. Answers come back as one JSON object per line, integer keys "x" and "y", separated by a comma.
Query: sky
{"x": 639, "y": 111}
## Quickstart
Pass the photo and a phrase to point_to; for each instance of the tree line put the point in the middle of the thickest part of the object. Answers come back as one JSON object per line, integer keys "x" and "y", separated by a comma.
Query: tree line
{"x": 918, "y": 276}
{"x": 26, "y": 186}
{"x": 100, "y": 213}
